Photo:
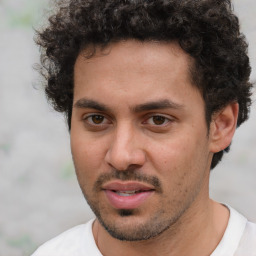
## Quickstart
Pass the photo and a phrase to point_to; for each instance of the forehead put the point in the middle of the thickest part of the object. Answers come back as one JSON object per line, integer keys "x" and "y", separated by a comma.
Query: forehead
{"x": 134, "y": 55}
{"x": 132, "y": 69}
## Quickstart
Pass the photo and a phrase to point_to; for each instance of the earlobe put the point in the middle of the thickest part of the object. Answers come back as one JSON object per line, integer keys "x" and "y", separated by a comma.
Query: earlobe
{"x": 223, "y": 126}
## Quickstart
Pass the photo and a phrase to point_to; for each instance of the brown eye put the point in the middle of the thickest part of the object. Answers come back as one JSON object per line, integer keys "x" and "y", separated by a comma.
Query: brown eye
{"x": 97, "y": 119}
{"x": 96, "y": 122}
{"x": 159, "y": 120}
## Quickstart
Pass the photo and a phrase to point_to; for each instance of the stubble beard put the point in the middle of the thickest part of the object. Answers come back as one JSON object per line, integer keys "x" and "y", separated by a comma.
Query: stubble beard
{"x": 135, "y": 233}
{"x": 154, "y": 226}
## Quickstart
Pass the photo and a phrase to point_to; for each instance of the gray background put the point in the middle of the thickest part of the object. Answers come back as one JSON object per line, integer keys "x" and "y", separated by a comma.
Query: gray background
{"x": 39, "y": 195}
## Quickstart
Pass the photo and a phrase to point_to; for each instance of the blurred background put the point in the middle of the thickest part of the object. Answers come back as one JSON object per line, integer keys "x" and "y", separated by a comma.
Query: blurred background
{"x": 39, "y": 194}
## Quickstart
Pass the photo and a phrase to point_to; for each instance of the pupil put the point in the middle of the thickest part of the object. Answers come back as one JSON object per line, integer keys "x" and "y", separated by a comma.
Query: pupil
{"x": 158, "y": 120}
{"x": 97, "y": 119}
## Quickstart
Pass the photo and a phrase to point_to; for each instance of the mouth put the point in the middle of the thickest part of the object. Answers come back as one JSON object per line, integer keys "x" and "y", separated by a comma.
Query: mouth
{"x": 127, "y": 195}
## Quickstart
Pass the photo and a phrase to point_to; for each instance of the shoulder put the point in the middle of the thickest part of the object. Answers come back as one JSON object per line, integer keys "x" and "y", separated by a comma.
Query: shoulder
{"x": 239, "y": 238}
{"x": 250, "y": 229}
{"x": 247, "y": 244}
{"x": 73, "y": 242}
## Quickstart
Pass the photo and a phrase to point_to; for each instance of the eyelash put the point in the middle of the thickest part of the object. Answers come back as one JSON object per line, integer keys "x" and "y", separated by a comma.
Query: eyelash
{"x": 160, "y": 118}
{"x": 88, "y": 120}
{"x": 88, "y": 117}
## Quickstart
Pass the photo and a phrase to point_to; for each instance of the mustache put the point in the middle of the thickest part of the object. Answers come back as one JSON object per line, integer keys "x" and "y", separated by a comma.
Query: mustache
{"x": 127, "y": 175}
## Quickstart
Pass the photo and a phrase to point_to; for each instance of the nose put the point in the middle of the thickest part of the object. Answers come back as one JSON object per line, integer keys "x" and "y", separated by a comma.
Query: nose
{"x": 126, "y": 149}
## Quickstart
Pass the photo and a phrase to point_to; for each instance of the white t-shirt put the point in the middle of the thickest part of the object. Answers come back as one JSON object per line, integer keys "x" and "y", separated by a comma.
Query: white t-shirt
{"x": 239, "y": 240}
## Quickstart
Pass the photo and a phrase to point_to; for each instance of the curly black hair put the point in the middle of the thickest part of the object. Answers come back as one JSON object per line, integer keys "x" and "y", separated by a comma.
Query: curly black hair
{"x": 208, "y": 30}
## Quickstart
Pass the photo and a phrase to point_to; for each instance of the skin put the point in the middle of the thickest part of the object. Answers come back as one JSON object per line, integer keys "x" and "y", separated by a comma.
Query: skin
{"x": 114, "y": 135}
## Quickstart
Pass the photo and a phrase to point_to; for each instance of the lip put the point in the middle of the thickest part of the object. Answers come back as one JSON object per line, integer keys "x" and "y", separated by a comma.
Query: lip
{"x": 126, "y": 186}
{"x": 130, "y": 201}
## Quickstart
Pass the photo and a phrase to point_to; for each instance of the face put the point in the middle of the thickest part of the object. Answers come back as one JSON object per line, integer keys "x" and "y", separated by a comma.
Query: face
{"x": 139, "y": 138}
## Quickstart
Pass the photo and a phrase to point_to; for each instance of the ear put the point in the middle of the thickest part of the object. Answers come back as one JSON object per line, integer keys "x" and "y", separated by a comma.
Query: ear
{"x": 223, "y": 126}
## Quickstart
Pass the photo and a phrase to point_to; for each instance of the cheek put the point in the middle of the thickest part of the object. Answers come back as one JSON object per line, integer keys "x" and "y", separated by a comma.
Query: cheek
{"x": 88, "y": 157}
{"x": 180, "y": 171}
{"x": 171, "y": 155}
{"x": 180, "y": 161}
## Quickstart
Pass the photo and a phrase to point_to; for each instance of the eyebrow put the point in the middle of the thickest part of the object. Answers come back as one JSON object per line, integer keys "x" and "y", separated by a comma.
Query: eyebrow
{"x": 152, "y": 105}
{"x": 87, "y": 103}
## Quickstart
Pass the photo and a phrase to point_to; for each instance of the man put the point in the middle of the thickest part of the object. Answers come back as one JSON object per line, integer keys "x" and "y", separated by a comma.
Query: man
{"x": 153, "y": 92}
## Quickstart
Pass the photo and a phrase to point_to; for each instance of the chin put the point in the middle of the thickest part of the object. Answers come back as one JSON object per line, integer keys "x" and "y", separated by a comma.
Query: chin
{"x": 129, "y": 226}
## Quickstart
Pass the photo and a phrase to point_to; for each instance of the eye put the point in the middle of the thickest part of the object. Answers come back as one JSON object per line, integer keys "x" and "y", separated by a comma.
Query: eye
{"x": 96, "y": 120}
{"x": 158, "y": 120}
